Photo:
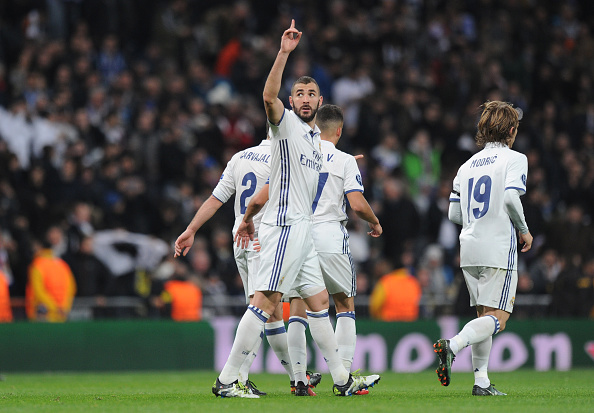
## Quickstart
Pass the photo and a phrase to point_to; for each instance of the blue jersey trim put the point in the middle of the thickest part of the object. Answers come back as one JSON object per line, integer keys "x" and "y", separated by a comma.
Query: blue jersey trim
{"x": 353, "y": 190}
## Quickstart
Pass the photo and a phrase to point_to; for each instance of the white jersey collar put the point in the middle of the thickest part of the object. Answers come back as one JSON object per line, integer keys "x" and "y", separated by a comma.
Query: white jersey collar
{"x": 496, "y": 145}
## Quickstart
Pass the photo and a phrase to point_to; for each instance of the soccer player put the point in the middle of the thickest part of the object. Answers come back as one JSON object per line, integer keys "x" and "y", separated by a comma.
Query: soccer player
{"x": 288, "y": 259}
{"x": 485, "y": 200}
{"x": 244, "y": 175}
{"x": 339, "y": 176}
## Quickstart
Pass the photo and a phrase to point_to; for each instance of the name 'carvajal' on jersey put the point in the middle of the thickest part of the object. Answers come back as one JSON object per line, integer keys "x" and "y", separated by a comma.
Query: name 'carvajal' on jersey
{"x": 255, "y": 156}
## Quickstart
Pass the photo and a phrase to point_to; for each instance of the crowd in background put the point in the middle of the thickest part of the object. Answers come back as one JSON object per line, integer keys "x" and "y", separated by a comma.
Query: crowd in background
{"x": 117, "y": 118}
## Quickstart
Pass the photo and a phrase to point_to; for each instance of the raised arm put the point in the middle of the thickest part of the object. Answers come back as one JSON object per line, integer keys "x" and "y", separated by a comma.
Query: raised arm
{"x": 185, "y": 241}
{"x": 272, "y": 104}
{"x": 361, "y": 207}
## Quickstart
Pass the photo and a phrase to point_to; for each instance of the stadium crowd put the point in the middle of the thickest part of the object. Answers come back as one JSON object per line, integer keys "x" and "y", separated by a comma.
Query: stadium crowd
{"x": 118, "y": 117}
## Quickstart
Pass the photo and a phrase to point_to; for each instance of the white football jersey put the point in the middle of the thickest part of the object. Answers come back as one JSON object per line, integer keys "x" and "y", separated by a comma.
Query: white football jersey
{"x": 296, "y": 160}
{"x": 488, "y": 236}
{"x": 245, "y": 174}
{"x": 339, "y": 176}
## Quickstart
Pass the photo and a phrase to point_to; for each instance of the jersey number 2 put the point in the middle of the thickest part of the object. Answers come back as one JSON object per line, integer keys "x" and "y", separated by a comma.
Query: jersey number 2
{"x": 249, "y": 191}
{"x": 481, "y": 194}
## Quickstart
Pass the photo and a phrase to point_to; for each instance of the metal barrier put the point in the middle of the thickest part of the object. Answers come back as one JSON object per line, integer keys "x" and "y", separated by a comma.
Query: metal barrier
{"x": 125, "y": 307}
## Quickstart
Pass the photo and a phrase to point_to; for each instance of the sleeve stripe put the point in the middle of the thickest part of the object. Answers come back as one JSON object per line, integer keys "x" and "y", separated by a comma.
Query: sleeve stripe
{"x": 218, "y": 198}
{"x": 279, "y": 122}
{"x": 514, "y": 187}
{"x": 454, "y": 199}
{"x": 353, "y": 190}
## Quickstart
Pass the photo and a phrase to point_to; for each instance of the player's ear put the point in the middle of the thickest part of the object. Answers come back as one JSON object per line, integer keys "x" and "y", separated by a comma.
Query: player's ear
{"x": 320, "y": 101}
{"x": 339, "y": 132}
{"x": 291, "y": 101}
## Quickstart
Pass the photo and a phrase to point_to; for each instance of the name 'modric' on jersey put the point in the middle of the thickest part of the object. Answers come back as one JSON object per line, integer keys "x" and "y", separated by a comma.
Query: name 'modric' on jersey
{"x": 483, "y": 161}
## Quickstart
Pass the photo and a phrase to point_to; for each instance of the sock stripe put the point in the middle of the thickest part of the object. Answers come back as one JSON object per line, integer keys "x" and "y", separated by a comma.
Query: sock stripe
{"x": 275, "y": 331}
{"x": 259, "y": 313}
{"x": 350, "y": 314}
{"x": 497, "y": 325}
{"x": 320, "y": 314}
{"x": 298, "y": 319}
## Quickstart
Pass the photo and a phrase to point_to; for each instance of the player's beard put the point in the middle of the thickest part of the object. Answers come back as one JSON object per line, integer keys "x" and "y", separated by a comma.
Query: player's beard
{"x": 309, "y": 118}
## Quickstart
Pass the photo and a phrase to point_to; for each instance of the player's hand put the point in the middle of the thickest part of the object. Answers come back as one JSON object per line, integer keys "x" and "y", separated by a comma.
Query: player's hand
{"x": 290, "y": 38}
{"x": 184, "y": 243}
{"x": 256, "y": 245}
{"x": 245, "y": 234}
{"x": 376, "y": 230}
{"x": 526, "y": 239}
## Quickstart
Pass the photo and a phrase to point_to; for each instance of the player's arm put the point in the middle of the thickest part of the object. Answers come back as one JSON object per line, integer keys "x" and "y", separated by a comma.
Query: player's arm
{"x": 363, "y": 210}
{"x": 455, "y": 212}
{"x": 185, "y": 241}
{"x": 455, "y": 209}
{"x": 513, "y": 208}
{"x": 245, "y": 231}
{"x": 272, "y": 104}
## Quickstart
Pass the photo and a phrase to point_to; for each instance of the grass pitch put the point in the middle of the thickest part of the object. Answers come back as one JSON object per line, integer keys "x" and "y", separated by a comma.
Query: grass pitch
{"x": 529, "y": 391}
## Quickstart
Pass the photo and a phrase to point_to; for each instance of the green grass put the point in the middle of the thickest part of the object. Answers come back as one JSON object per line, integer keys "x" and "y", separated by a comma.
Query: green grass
{"x": 529, "y": 391}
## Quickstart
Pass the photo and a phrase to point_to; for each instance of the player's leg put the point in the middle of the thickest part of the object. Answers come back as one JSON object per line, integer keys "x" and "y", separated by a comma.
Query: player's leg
{"x": 480, "y": 355}
{"x": 246, "y": 337}
{"x": 247, "y": 265}
{"x": 277, "y": 337}
{"x": 298, "y": 345}
{"x": 346, "y": 330}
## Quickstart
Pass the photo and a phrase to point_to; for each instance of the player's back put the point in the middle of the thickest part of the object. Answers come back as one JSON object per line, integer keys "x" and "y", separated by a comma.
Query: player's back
{"x": 246, "y": 173}
{"x": 339, "y": 176}
{"x": 488, "y": 237}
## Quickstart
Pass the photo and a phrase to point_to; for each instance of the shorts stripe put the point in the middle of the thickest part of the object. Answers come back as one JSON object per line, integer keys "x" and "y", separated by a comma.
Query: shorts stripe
{"x": 299, "y": 320}
{"x": 354, "y": 276}
{"x": 511, "y": 258}
{"x": 345, "y": 240}
{"x": 275, "y": 331}
{"x": 278, "y": 258}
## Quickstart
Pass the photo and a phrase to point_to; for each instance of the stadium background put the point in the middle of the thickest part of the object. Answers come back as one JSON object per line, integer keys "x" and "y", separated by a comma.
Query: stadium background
{"x": 122, "y": 115}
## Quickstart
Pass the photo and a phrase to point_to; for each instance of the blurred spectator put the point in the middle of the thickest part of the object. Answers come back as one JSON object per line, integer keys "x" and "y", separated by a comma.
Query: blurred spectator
{"x": 181, "y": 298}
{"x": 395, "y": 297}
{"x": 51, "y": 286}
{"x": 544, "y": 272}
{"x": 91, "y": 275}
{"x": 5, "y": 308}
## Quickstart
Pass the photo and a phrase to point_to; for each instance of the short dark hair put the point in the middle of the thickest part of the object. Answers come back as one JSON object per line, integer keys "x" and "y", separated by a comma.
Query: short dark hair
{"x": 329, "y": 116}
{"x": 305, "y": 80}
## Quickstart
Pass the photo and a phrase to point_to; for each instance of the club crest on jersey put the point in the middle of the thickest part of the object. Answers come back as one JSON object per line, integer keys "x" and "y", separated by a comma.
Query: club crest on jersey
{"x": 524, "y": 179}
{"x": 359, "y": 180}
{"x": 221, "y": 178}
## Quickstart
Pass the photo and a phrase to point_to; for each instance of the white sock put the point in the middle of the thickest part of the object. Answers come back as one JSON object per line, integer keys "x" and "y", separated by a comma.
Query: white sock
{"x": 276, "y": 334}
{"x": 244, "y": 370}
{"x": 297, "y": 344}
{"x": 475, "y": 331}
{"x": 246, "y": 337}
{"x": 323, "y": 334}
{"x": 346, "y": 336}
{"x": 480, "y": 362}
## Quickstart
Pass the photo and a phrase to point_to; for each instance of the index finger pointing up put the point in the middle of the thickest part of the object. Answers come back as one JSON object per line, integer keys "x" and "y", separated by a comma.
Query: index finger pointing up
{"x": 292, "y": 23}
